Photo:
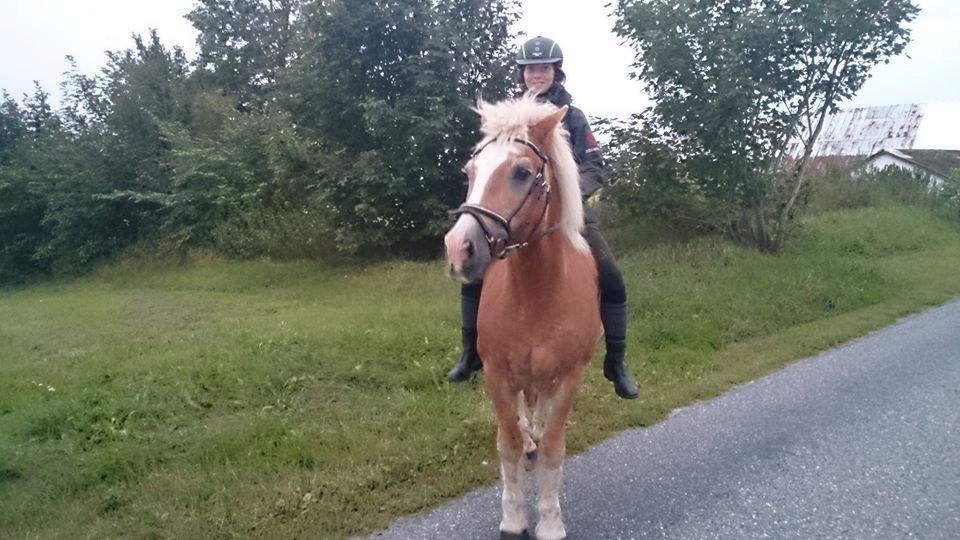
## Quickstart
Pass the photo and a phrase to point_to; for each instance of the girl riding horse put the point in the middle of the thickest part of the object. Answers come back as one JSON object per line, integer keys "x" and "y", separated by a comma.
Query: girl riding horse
{"x": 538, "y": 319}
{"x": 540, "y": 63}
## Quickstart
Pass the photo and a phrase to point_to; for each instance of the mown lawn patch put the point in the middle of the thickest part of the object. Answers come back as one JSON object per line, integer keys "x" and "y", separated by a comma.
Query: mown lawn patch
{"x": 282, "y": 399}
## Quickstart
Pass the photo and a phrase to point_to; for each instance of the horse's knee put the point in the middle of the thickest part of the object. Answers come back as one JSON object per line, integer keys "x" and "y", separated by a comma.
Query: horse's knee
{"x": 552, "y": 447}
{"x": 509, "y": 442}
{"x": 551, "y": 457}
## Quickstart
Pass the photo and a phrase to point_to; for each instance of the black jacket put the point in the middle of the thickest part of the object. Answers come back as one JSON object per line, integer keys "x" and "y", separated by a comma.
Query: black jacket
{"x": 586, "y": 151}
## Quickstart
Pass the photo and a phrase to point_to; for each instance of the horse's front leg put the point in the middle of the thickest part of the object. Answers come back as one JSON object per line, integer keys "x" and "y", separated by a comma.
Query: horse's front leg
{"x": 513, "y": 523}
{"x": 552, "y": 450}
{"x": 549, "y": 482}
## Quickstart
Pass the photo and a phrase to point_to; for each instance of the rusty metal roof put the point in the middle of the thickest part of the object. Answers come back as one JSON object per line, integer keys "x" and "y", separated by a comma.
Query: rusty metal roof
{"x": 867, "y": 130}
{"x": 864, "y": 131}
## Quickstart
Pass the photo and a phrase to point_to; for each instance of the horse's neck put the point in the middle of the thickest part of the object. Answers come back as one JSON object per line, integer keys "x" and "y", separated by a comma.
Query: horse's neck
{"x": 540, "y": 264}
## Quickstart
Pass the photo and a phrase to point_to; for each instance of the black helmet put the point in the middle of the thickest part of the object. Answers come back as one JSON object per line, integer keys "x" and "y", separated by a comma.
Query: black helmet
{"x": 540, "y": 50}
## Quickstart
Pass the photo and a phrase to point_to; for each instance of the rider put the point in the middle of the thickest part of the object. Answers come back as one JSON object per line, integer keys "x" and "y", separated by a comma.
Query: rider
{"x": 539, "y": 62}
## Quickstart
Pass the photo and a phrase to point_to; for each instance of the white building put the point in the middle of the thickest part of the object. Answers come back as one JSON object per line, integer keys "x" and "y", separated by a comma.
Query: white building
{"x": 937, "y": 165}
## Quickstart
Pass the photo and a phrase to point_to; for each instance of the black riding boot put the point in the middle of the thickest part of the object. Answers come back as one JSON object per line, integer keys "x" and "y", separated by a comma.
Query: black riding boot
{"x": 614, "y": 318}
{"x": 469, "y": 360}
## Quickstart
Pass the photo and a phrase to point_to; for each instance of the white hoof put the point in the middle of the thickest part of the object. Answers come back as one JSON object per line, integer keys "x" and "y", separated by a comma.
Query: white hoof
{"x": 551, "y": 530}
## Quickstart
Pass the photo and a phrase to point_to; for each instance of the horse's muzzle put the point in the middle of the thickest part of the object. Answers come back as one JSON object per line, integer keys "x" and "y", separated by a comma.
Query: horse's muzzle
{"x": 468, "y": 253}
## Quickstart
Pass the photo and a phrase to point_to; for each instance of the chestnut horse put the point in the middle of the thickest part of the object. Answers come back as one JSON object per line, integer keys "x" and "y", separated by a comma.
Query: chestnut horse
{"x": 539, "y": 323}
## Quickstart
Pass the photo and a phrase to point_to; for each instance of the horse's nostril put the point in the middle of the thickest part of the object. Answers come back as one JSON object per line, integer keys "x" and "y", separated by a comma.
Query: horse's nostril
{"x": 468, "y": 248}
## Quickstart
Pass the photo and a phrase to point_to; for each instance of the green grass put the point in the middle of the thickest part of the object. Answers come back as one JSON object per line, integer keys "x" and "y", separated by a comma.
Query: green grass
{"x": 293, "y": 399}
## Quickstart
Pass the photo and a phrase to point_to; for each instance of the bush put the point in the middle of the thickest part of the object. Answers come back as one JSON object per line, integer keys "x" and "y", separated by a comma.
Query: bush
{"x": 248, "y": 188}
{"x": 646, "y": 179}
{"x": 837, "y": 188}
{"x": 279, "y": 234}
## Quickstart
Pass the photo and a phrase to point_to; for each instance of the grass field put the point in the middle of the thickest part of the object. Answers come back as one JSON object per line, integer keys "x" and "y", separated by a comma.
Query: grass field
{"x": 283, "y": 399}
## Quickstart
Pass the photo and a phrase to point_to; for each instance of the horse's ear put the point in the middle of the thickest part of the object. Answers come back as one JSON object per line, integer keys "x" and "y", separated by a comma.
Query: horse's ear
{"x": 542, "y": 129}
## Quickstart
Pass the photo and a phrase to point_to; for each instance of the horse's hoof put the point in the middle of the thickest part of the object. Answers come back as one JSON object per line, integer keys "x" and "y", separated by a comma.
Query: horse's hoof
{"x": 560, "y": 534}
{"x": 522, "y": 535}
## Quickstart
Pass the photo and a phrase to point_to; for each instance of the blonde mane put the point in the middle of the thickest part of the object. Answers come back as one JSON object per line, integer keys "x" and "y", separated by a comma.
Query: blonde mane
{"x": 511, "y": 119}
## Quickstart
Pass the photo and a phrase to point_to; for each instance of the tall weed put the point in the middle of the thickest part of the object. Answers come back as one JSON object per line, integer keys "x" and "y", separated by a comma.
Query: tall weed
{"x": 839, "y": 188}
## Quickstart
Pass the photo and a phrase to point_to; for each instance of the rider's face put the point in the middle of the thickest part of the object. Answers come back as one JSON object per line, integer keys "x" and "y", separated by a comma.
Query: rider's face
{"x": 538, "y": 77}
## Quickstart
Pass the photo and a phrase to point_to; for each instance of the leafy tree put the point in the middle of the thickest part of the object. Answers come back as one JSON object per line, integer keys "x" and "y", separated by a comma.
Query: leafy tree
{"x": 27, "y": 132}
{"x": 303, "y": 121}
{"x": 735, "y": 80}
{"x": 86, "y": 104}
{"x": 21, "y": 209}
{"x": 83, "y": 225}
{"x": 38, "y": 115}
{"x": 388, "y": 87}
{"x": 145, "y": 87}
{"x": 57, "y": 174}
{"x": 254, "y": 165}
{"x": 63, "y": 179}
{"x": 12, "y": 126}
{"x": 245, "y": 44}
{"x": 119, "y": 116}
{"x": 649, "y": 181}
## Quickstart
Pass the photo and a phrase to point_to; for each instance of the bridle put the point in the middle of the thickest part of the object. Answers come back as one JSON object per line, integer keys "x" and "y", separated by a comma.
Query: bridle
{"x": 500, "y": 247}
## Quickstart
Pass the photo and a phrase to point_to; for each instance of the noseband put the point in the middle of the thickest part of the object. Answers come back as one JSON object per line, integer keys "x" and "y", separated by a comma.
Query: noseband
{"x": 501, "y": 247}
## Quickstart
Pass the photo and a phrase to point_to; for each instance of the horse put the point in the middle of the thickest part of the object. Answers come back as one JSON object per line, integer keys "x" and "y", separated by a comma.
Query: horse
{"x": 538, "y": 323}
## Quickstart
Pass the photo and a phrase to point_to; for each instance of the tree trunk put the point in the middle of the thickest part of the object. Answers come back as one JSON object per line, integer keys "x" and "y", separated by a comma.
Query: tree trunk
{"x": 798, "y": 174}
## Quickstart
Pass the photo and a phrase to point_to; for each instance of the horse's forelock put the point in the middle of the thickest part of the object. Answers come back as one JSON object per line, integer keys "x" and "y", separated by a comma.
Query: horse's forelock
{"x": 505, "y": 120}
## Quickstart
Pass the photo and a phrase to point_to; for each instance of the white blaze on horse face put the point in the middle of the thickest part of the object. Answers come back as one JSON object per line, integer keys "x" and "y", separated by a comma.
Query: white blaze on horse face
{"x": 485, "y": 164}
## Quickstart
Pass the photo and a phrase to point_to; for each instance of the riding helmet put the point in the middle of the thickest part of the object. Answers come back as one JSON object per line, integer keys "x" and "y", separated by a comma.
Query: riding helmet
{"x": 540, "y": 50}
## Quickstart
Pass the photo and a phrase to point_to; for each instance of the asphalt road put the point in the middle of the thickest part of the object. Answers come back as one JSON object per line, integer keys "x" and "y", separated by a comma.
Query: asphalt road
{"x": 862, "y": 441}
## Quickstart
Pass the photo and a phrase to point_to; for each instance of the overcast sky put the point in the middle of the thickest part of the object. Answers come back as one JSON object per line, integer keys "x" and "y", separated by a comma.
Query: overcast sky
{"x": 35, "y": 35}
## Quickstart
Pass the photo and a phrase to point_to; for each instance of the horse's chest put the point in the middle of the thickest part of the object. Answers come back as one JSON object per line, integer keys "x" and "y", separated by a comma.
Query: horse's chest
{"x": 524, "y": 331}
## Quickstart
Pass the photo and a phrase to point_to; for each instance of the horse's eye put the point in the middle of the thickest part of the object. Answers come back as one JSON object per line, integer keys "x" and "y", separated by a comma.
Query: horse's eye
{"x": 522, "y": 173}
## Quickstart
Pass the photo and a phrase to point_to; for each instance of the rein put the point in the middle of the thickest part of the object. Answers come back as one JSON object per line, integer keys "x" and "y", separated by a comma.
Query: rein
{"x": 500, "y": 247}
